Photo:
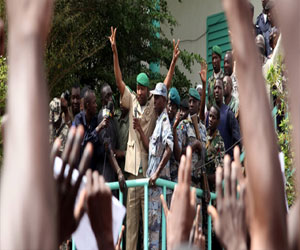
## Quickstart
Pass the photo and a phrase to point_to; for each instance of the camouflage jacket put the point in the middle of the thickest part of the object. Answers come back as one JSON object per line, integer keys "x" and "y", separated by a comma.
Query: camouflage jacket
{"x": 187, "y": 134}
{"x": 61, "y": 133}
{"x": 234, "y": 105}
{"x": 215, "y": 150}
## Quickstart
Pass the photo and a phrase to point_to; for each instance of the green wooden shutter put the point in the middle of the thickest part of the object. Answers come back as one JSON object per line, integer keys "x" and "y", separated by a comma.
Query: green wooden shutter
{"x": 217, "y": 34}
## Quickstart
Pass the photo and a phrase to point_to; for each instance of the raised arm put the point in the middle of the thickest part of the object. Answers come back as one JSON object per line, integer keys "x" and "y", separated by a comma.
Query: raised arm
{"x": 203, "y": 74}
{"x": 170, "y": 74}
{"x": 267, "y": 186}
{"x": 118, "y": 74}
{"x": 177, "y": 147}
{"x": 28, "y": 201}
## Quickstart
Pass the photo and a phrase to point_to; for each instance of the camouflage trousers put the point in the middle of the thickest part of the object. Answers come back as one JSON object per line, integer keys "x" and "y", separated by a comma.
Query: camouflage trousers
{"x": 154, "y": 217}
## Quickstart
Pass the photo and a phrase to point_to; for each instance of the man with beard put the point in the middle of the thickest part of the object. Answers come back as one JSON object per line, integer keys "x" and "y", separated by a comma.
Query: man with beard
{"x": 217, "y": 74}
{"x": 142, "y": 118}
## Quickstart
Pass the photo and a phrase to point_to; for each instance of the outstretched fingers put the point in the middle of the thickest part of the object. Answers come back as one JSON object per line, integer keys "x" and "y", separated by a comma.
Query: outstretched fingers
{"x": 66, "y": 152}
{"x": 54, "y": 151}
{"x": 84, "y": 164}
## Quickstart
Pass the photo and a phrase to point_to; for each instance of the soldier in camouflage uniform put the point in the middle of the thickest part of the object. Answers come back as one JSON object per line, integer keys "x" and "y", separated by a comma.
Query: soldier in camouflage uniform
{"x": 217, "y": 74}
{"x": 58, "y": 128}
{"x": 215, "y": 148}
{"x": 172, "y": 108}
{"x": 160, "y": 150}
{"x": 186, "y": 132}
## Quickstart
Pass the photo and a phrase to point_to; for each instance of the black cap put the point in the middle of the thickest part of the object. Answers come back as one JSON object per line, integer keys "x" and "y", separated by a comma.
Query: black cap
{"x": 184, "y": 103}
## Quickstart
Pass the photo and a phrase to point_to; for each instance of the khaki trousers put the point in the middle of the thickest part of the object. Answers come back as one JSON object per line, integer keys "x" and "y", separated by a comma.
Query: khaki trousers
{"x": 135, "y": 204}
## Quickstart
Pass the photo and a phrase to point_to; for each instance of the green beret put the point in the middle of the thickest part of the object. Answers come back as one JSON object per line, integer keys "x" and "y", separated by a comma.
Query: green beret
{"x": 194, "y": 93}
{"x": 217, "y": 50}
{"x": 174, "y": 96}
{"x": 142, "y": 79}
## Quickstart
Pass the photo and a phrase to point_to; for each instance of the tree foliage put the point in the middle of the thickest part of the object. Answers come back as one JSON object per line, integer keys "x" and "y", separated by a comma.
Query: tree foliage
{"x": 78, "y": 50}
{"x": 277, "y": 80}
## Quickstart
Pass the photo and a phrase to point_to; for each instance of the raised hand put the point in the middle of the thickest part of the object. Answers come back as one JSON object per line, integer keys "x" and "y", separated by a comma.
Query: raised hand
{"x": 30, "y": 17}
{"x": 203, "y": 72}
{"x": 99, "y": 209}
{"x": 267, "y": 187}
{"x": 112, "y": 39}
{"x": 30, "y": 209}
{"x": 67, "y": 192}
{"x": 182, "y": 212}
{"x": 230, "y": 218}
{"x": 176, "y": 50}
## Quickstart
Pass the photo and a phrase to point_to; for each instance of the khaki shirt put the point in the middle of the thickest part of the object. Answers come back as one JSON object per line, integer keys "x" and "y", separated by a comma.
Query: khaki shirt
{"x": 136, "y": 154}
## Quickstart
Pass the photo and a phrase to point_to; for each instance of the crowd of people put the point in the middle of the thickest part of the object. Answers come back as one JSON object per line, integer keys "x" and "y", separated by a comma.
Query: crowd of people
{"x": 193, "y": 140}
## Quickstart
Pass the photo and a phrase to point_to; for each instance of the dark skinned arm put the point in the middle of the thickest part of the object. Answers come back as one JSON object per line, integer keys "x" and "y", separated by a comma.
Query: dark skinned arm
{"x": 113, "y": 162}
{"x": 260, "y": 143}
{"x": 118, "y": 74}
{"x": 176, "y": 52}
{"x": 177, "y": 149}
{"x": 203, "y": 74}
{"x": 162, "y": 164}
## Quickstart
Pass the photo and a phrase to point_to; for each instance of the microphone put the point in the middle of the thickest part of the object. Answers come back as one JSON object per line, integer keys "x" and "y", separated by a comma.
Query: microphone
{"x": 110, "y": 106}
{"x": 135, "y": 112}
{"x": 108, "y": 110}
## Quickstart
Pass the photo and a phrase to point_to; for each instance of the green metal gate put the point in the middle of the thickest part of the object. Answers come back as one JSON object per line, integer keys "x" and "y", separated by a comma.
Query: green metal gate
{"x": 164, "y": 184}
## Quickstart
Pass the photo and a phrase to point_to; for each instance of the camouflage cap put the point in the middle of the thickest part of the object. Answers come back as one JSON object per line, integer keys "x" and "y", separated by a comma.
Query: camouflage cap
{"x": 142, "y": 79}
{"x": 55, "y": 110}
{"x": 160, "y": 89}
{"x": 174, "y": 96}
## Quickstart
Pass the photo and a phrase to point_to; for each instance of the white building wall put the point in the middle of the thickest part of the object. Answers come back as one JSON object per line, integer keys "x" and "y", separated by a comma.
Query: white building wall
{"x": 191, "y": 29}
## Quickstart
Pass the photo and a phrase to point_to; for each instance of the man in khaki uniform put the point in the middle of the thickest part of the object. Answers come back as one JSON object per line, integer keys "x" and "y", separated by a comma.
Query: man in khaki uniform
{"x": 142, "y": 118}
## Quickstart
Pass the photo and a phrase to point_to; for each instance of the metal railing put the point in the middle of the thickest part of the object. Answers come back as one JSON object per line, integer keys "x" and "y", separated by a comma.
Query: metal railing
{"x": 164, "y": 184}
